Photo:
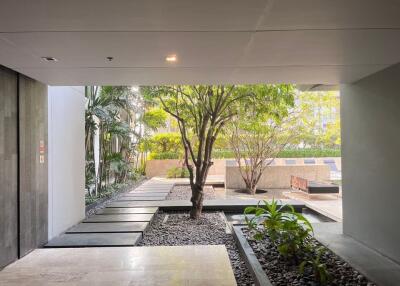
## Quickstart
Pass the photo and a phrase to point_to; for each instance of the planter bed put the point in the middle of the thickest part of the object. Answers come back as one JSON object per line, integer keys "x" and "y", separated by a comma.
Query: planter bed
{"x": 269, "y": 268}
{"x": 175, "y": 228}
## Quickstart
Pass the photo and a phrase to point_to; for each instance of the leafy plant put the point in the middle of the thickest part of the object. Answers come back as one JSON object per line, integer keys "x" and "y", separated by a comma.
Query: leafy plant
{"x": 290, "y": 232}
{"x": 268, "y": 220}
{"x": 287, "y": 229}
{"x": 321, "y": 273}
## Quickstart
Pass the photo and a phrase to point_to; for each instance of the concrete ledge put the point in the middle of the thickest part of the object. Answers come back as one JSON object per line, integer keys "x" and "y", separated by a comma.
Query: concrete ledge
{"x": 277, "y": 176}
{"x": 237, "y": 205}
{"x": 247, "y": 253}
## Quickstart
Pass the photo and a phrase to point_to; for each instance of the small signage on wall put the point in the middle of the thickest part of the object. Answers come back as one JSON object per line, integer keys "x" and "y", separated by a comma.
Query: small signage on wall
{"x": 41, "y": 151}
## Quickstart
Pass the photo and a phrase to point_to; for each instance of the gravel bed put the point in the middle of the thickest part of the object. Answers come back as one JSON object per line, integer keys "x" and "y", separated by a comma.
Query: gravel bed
{"x": 281, "y": 272}
{"x": 184, "y": 192}
{"x": 176, "y": 228}
{"x": 113, "y": 197}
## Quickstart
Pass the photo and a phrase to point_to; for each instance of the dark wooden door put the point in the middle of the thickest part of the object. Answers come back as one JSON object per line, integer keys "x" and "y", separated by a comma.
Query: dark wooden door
{"x": 8, "y": 167}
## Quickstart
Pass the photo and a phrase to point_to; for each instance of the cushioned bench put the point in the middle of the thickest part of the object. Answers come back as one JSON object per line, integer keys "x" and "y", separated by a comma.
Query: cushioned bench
{"x": 312, "y": 187}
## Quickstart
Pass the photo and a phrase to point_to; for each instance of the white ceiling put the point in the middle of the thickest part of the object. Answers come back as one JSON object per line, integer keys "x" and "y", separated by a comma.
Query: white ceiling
{"x": 216, "y": 41}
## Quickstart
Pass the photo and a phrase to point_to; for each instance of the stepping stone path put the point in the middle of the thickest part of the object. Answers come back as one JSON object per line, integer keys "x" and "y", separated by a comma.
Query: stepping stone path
{"x": 116, "y": 226}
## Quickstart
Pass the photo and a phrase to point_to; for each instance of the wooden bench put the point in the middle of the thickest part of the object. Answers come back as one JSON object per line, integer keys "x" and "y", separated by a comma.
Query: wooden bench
{"x": 312, "y": 187}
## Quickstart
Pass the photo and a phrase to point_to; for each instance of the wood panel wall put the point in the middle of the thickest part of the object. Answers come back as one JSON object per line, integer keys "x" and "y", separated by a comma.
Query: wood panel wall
{"x": 33, "y": 171}
{"x": 8, "y": 167}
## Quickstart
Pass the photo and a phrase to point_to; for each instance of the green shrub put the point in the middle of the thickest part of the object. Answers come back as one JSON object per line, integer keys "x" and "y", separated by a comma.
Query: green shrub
{"x": 290, "y": 232}
{"x": 178, "y": 172}
{"x": 105, "y": 192}
{"x": 321, "y": 273}
{"x": 228, "y": 154}
{"x": 165, "y": 155}
{"x": 305, "y": 153}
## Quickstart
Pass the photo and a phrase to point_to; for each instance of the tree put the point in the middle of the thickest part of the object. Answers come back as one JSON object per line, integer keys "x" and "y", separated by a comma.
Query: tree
{"x": 152, "y": 119}
{"x": 108, "y": 117}
{"x": 264, "y": 125}
{"x": 201, "y": 112}
{"x": 320, "y": 118}
{"x": 165, "y": 142}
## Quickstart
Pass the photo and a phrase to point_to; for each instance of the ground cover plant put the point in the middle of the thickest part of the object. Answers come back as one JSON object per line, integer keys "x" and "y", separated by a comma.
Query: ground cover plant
{"x": 283, "y": 242}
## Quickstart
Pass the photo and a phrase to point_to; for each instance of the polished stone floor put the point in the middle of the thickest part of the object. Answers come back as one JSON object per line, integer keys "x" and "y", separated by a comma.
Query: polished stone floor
{"x": 122, "y": 266}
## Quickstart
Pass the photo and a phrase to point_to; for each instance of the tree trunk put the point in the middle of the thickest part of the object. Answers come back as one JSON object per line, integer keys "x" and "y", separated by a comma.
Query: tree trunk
{"x": 251, "y": 186}
{"x": 197, "y": 201}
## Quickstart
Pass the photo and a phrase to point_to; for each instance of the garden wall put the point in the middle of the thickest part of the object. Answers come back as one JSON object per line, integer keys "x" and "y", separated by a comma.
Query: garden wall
{"x": 158, "y": 168}
{"x": 277, "y": 176}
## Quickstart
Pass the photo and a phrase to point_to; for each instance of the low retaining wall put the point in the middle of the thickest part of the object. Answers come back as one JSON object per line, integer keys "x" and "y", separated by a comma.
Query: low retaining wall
{"x": 159, "y": 168}
{"x": 278, "y": 177}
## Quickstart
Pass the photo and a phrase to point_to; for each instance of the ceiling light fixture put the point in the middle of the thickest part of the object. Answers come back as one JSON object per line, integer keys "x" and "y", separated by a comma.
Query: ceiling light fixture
{"x": 171, "y": 58}
{"x": 49, "y": 59}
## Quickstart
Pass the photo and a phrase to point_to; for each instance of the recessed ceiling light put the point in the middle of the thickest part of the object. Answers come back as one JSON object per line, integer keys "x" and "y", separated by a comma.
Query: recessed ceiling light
{"x": 171, "y": 58}
{"x": 49, "y": 59}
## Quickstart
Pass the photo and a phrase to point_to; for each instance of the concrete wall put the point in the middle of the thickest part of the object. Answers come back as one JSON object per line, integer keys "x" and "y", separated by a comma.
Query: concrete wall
{"x": 370, "y": 120}
{"x": 278, "y": 177}
{"x": 66, "y": 158}
{"x": 158, "y": 168}
{"x": 8, "y": 166}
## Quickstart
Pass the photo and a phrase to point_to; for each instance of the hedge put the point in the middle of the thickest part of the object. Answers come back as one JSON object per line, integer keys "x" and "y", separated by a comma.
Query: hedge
{"x": 228, "y": 154}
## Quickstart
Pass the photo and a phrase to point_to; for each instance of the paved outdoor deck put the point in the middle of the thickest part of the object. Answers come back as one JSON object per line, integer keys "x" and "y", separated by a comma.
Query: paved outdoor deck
{"x": 373, "y": 265}
{"x": 122, "y": 266}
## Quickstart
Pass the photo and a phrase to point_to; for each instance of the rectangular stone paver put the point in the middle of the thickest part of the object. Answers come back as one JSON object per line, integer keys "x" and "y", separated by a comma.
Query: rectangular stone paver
{"x": 154, "y": 187}
{"x": 152, "y": 190}
{"x": 95, "y": 239}
{"x": 119, "y": 218}
{"x": 129, "y": 198}
{"x": 105, "y": 227}
{"x": 149, "y": 191}
{"x": 144, "y": 266}
{"x": 146, "y": 194}
{"x": 107, "y": 211}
